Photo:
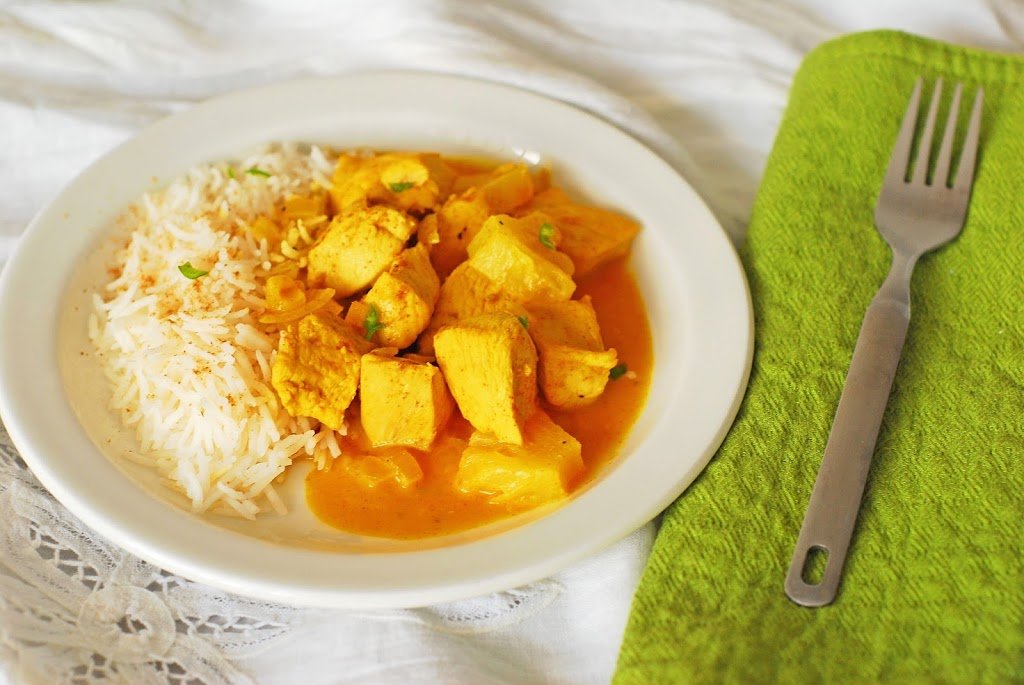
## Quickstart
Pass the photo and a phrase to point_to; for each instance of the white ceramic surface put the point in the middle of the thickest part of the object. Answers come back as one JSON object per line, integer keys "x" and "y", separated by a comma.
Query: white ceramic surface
{"x": 52, "y": 398}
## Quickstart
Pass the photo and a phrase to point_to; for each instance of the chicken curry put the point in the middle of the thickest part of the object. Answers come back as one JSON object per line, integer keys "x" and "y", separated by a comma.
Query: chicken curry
{"x": 474, "y": 333}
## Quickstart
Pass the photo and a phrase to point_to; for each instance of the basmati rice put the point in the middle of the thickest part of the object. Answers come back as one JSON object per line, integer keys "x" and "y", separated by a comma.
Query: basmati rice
{"x": 188, "y": 364}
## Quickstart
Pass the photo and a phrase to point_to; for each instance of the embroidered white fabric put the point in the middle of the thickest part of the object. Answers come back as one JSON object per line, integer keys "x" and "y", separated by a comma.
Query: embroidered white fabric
{"x": 77, "y": 78}
{"x": 77, "y": 609}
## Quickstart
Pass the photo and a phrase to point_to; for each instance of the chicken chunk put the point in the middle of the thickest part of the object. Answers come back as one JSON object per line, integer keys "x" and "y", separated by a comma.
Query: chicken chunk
{"x": 409, "y": 182}
{"x": 541, "y": 470}
{"x": 520, "y": 255}
{"x": 466, "y": 293}
{"x": 316, "y": 370}
{"x": 590, "y": 236}
{"x": 404, "y": 297}
{"x": 357, "y": 247}
{"x": 490, "y": 364}
{"x": 403, "y": 402}
{"x": 448, "y": 232}
{"x": 573, "y": 363}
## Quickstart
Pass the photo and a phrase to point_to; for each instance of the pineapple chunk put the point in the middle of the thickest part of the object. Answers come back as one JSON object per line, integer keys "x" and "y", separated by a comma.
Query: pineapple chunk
{"x": 541, "y": 470}
{"x": 459, "y": 220}
{"x": 520, "y": 256}
{"x": 590, "y": 236}
{"x": 389, "y": 465}
{"x": 508, "y": 187}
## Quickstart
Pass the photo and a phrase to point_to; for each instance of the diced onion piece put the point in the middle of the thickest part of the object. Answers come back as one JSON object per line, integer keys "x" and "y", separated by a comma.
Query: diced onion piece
{"x": 357, "y": 313}
{"x": 332, "y": 308}
{"x": 301, "y": 206}
{"x": 263, "y": 227}
{"x": 284, "y": 293}
{"x": 290, "y": 269}
{"x": 315, "y": 300}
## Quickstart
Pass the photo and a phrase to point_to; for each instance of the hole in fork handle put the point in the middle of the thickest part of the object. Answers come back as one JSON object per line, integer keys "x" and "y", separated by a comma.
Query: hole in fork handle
{"x": 815, "y": 562}
{"x": 814, "y": 573}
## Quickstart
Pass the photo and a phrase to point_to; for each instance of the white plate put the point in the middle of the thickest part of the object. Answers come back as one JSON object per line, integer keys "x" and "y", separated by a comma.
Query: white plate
{"x": 52, "y": 399}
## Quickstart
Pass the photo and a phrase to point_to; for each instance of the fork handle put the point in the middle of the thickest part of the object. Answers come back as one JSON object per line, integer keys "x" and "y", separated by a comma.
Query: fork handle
{"x": 835, "y": 501}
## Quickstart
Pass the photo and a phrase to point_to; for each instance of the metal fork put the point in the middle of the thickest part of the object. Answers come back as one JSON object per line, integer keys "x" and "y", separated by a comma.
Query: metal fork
{"x": 914, "y": 217}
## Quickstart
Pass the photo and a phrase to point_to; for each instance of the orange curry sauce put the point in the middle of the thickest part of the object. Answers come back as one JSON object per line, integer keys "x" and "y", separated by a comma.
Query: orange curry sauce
{"x": 433, "y": 506}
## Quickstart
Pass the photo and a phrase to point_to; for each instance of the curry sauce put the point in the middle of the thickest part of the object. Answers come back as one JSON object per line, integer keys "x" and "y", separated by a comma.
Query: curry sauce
{"x": 433, "y": 506}
{"x": 468, "y": 337}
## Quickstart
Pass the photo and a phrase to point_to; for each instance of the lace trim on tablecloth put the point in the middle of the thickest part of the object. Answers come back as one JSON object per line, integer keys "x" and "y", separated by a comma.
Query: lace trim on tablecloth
{"x": 77, "y": 609}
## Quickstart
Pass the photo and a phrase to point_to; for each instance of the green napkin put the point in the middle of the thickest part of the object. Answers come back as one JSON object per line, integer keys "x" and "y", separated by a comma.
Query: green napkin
{"x": 933, "y": 589}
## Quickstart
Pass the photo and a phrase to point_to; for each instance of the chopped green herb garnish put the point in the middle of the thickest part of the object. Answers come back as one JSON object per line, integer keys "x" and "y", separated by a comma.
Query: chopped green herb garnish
{"x": 524, "y": 321}
{"x": 399, "y": 187}
{"x": 190, "y": 272}
{"x": 547, "y": 235}
{"x": 372, "y": 323}
{"x": 256, "y": 171}
{"x": 618, "y": 371}
{"x": 231, "y": 172}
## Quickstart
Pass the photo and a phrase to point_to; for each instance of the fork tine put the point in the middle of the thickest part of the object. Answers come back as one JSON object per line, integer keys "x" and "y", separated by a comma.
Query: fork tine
{"x": 924, "y": 147}
{"x": 900, "y": 158}
{"x": 965, "y": 170}
{"x": 941, "y": 175}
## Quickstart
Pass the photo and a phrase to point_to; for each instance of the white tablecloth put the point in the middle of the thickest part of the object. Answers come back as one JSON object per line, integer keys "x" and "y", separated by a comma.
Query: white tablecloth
{"x": 703, "y": 82}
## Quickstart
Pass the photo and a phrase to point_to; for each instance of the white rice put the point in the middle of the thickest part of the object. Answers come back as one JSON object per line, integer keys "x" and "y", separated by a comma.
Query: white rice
{"x": 188, "y": 364}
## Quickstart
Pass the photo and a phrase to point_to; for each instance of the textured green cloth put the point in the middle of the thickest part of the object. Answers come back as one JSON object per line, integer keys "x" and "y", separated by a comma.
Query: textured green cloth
{"x": 934, "y": 585}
